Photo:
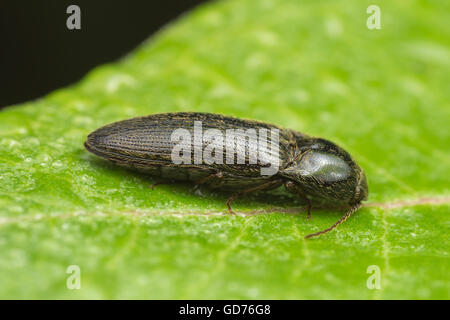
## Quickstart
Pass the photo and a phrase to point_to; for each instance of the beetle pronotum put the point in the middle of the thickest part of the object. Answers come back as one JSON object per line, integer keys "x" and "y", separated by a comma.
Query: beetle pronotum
{"x": 314, "y": 169}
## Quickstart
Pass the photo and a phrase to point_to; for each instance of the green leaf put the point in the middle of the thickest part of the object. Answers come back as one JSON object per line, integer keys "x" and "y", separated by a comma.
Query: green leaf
{"x": 312, "y": 66}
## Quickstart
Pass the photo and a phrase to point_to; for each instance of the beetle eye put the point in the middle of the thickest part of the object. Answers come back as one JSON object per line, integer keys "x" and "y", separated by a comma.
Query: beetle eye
{"x": 324, "y": 166}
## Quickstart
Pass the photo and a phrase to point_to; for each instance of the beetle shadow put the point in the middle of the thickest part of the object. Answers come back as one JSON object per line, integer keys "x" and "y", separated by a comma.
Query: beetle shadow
{"x": 275, "y": 197}
{"x": 278, "y": 198}
{"x": 144, "y": 179}
{"x": 120, "y": 172}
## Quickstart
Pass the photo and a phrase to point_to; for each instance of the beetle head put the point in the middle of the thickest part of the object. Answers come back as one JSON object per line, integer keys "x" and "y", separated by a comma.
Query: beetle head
{"x": 324, "y": 172}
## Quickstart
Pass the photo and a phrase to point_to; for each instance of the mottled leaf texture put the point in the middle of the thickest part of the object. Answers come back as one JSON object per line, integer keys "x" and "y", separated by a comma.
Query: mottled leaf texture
{"x": 313, "y": 66}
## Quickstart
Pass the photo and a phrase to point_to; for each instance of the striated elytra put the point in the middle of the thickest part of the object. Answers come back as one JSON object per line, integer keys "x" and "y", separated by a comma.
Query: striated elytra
{"x": 314, "y": 169}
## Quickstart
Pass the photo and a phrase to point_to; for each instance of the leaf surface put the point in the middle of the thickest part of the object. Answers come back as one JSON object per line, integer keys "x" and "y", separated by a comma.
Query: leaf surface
{"x": 311, "y": 66}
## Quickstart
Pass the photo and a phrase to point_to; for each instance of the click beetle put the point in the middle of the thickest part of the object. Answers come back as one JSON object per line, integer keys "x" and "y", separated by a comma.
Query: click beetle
{"x": 315, "y": 169}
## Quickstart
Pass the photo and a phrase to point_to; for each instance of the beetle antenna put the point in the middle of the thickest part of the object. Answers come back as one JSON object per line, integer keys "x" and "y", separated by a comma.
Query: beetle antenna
{"x": 341, "y": 220}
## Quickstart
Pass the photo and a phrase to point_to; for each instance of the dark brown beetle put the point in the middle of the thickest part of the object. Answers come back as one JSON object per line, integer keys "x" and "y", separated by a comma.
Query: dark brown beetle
{"x": 315, "y": 169}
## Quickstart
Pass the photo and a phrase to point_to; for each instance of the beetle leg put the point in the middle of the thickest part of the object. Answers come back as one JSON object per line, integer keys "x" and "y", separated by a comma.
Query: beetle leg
{"x": 308, "y": 216}
{"x": 292, "y": 188}
{"x": 153, "y": 186}
{"x": 208, "y": 178}
{"x": 308, "y": 203}
{"x": 218, "y": 175}
{"x": 264, "y": 186}
{"x": 229, "y": 202}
